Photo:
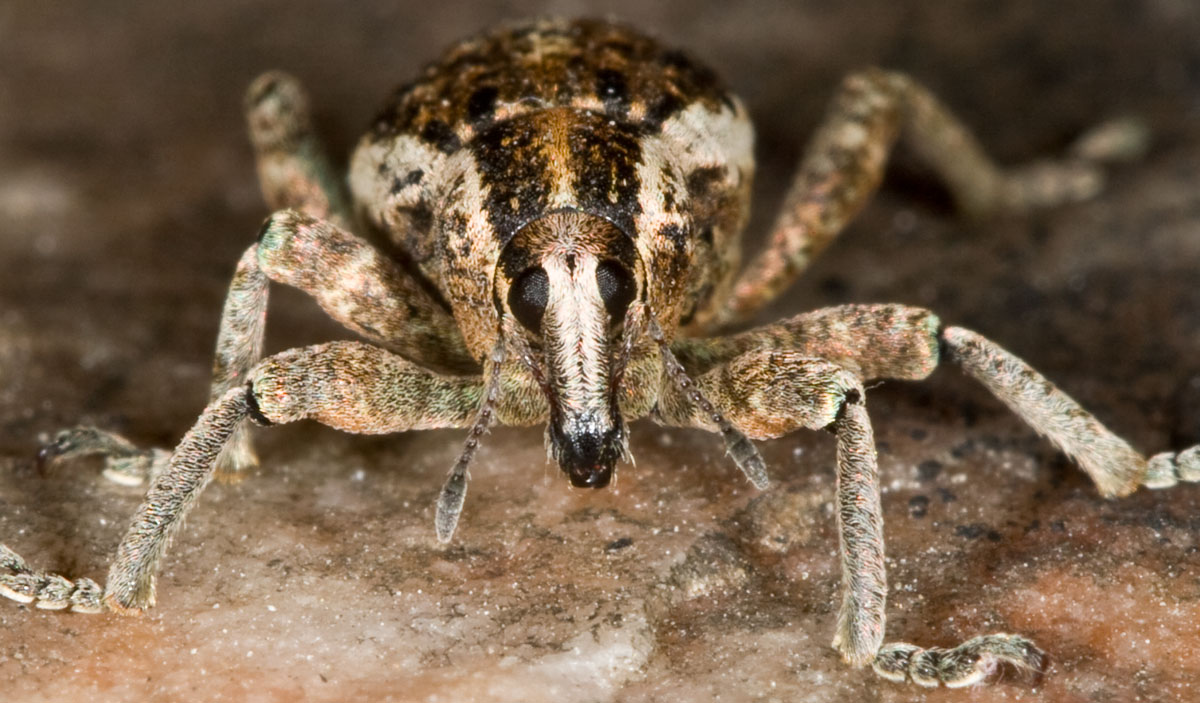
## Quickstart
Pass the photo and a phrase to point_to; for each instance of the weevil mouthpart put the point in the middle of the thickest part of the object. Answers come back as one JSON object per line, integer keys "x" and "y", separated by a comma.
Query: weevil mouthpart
{"x": 588, "y": 456}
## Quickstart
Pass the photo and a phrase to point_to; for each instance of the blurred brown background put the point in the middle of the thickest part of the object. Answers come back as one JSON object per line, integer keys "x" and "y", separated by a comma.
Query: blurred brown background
{"x": 127, "y": 193}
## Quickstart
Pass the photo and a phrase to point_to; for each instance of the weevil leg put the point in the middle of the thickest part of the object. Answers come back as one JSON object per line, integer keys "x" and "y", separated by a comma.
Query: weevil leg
{"x": 808, "y": 372}
{"x": 352, "y": 281}
{"x": 293, "y": 172}
{"x": 844, "y": 163}
{"x": 1115, "y": 467}
{"x": 293, "y": 169}
{"x": 768, "y": 393}
{"x": 888, "y": 341}
{"x": 351, "y": 386}
{"x": 124, "y": 463}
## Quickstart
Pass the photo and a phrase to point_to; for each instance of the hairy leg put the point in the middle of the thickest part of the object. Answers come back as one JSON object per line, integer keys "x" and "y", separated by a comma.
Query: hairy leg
{"x": 808, "y": 372}
{"x": 293, "y": 170}
{"x": 347, "y": 385}
{"x": 844, "y": 163}
{"x": 352, "y": 281}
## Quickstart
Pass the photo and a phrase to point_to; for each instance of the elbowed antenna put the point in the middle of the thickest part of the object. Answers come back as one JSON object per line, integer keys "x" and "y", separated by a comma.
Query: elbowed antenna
{"x": 454, "y": 491}
{"x": 737, "y": 444}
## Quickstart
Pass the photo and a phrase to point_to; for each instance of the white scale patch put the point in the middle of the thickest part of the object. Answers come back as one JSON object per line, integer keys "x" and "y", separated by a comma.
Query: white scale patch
{"x": 693, "y": 139}
{"x": 375, "y": 166}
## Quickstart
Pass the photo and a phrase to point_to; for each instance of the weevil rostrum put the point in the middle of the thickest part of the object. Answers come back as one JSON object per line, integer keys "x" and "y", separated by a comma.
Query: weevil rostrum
{"x": 562, "y": 203}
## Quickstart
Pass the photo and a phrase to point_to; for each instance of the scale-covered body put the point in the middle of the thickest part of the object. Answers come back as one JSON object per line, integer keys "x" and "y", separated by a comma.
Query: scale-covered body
{"x": 587, "y": 116}
{"x": 558, "y": 201}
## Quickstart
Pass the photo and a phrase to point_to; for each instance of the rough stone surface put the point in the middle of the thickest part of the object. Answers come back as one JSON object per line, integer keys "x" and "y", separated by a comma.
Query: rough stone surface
{"x": 127, "y": 192}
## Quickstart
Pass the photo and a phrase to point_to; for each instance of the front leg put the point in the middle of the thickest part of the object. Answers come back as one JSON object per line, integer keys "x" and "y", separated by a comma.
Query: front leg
{"x": 347, "y": 385}
{"x": 352, "y": 281}
{"x": 771, "y": 393}
{"x": 806, "y": 371}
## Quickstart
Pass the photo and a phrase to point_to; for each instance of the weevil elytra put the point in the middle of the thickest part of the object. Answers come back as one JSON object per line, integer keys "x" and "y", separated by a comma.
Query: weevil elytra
{"x": 567, "y": 199}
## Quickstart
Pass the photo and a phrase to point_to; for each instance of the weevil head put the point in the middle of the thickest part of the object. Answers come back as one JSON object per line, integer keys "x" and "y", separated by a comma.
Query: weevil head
{"x": 566, "y": 282}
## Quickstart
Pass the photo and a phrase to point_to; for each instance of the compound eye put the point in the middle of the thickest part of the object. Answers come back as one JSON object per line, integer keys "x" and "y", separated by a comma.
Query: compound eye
{"x": 617, "y": 289}
{"x": 528, "y": 296}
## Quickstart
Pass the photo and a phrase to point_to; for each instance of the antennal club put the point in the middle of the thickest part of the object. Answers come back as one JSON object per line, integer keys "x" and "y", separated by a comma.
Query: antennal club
{"x": 737, "y": 444}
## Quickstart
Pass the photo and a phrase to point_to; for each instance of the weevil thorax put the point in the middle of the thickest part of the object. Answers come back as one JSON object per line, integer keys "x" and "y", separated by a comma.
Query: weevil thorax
{"x": 576, "y": 153}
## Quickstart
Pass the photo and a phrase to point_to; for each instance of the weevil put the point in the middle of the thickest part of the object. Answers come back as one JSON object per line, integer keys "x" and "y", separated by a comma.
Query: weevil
{"x": 544, "y": 229}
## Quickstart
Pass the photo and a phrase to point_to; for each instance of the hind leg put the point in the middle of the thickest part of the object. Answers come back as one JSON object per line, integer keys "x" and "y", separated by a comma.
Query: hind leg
{"x": 844, "y": 163}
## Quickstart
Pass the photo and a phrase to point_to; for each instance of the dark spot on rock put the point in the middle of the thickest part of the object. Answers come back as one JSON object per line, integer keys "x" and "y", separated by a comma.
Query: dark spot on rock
{"x": 946, "y": 496}
{"x": 929, "y": 469}
{"x": 973, "y": 531}
{"x": 618, "y": 544}
{"x": 918, "y": 506}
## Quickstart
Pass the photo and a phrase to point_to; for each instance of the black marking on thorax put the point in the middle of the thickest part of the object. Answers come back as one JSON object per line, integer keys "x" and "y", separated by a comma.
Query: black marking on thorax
{"x": 522, "y": 164}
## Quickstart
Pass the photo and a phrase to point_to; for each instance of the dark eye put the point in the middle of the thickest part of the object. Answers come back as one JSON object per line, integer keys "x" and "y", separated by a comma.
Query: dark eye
{"x": 528, "y": 295}
{"x": 617, "y": 288}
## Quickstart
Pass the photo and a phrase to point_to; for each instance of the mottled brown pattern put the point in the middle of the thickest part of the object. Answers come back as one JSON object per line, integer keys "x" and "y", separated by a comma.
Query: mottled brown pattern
{"x": 525, "y": 160}
{"x": 361, "y": 288}
{"x": 589, "y": 65}
{"x": 360, "y": 388}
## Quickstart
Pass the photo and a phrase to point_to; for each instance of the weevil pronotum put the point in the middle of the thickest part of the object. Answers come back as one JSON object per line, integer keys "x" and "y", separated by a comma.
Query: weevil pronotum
{"x": 565, "y": 201}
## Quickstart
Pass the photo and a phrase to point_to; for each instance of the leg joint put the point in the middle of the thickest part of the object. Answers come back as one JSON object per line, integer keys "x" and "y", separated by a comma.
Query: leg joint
{"x": 253, "y": 409}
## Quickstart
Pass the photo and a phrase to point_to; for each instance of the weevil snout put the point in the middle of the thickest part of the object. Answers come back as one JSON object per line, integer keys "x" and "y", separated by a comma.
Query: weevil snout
{"x": 570, "y": 280}
{"x": 587, "y": 457}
